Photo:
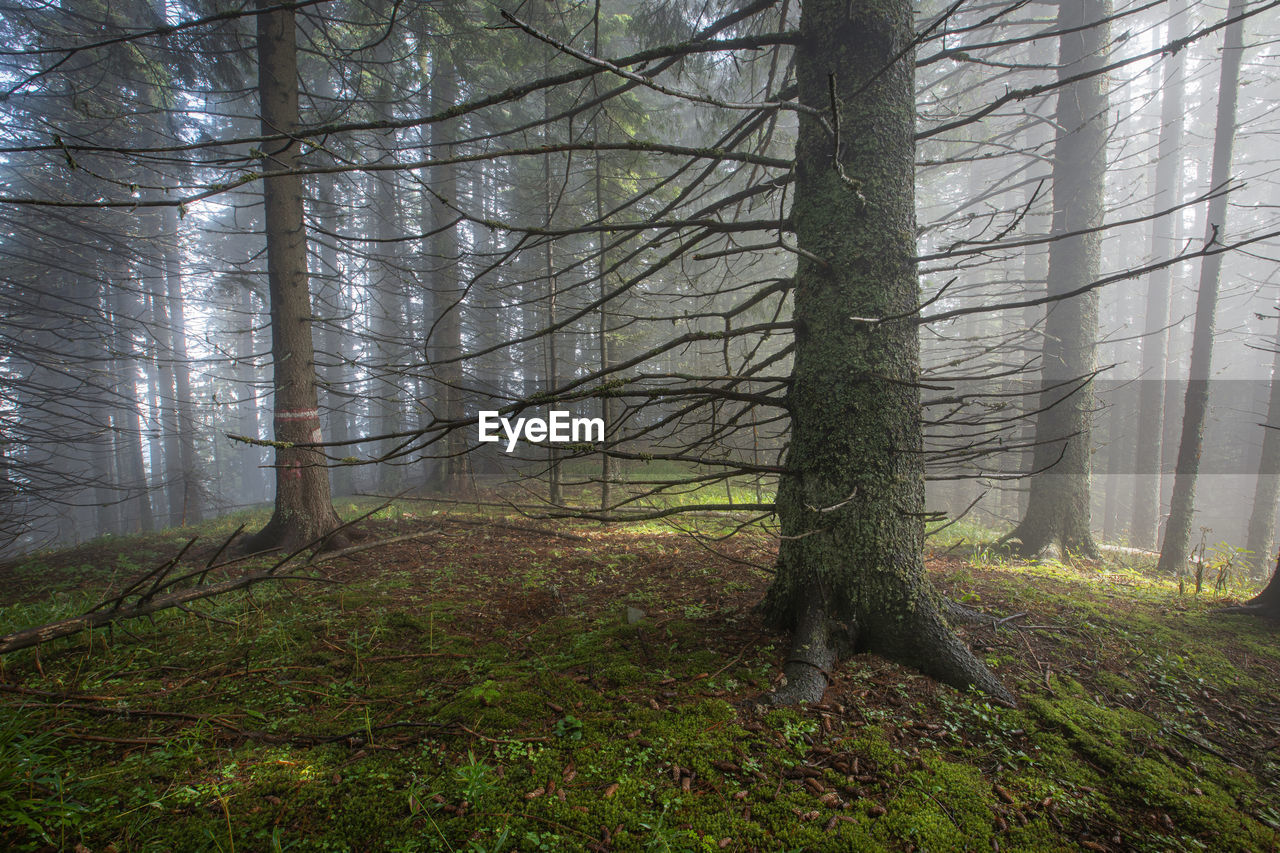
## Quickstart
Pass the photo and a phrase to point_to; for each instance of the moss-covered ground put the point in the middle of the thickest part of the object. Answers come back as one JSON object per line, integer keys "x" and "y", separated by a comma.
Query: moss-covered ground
{"x": 482, "y": 689}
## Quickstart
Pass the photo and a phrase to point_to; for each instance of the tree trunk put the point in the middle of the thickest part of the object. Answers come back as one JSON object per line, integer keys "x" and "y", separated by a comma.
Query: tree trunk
{"x": 192, "y": 499}
{"x": 331, "y": 307}
{"x": 850, "y": 572}
{"x": 1155, "y": 340}
{"x": 1259, "y": 541}
{"x": 446, "y": 294}
{"x": 253, "y": 487}
{"x": 1058, "y": 502}
{"x": 137, "y": 508}
{"x": 386, "y": 291}
{"x": 1177, "y": 539}
{"x": 303, "y": 510}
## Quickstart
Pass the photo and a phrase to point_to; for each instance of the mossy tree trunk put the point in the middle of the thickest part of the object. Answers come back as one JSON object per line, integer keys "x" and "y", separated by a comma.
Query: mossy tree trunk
{"x": 303, "y": 508}
{"x": 1058, "y": 502}
{"x": 850, "y": 569}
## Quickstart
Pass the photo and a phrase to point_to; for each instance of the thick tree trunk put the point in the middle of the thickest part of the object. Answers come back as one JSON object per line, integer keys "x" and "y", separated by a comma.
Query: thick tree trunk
{"x": 850, "y": 569}
{"x": 1155, "y": 340}
{"x": 1177, "y": 539}
{"x": 1265, "y": 603}
{"x": 1058, "y": 502}
{"x": 1266, "y": 493}
{"x": 303, "y": 510}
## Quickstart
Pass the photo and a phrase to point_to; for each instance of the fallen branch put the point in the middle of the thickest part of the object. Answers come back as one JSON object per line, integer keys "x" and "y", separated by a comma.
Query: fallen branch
{"x": 155, "y": 598}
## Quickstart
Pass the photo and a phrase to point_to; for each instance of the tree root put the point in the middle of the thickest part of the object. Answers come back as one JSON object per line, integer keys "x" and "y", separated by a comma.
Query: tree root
{"x": 925, "y": 643}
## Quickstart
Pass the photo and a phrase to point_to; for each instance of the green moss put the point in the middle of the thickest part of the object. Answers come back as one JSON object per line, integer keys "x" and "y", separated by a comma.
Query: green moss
{"x": 1116, "y": 741}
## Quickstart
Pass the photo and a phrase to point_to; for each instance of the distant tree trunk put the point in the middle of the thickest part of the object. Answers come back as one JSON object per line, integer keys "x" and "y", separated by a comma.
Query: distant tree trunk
{"x": 1261, "y": 520}
{"x": 248, "y": 459}
{"x": 334, "y": 371}
{"x": 552, "y": 341}
{"x": 155, "y": 434}
{"x": 133, "y": 479}
{"x": 850, "y": 572}
{"x": 192, "y": 508}
{"x": 1177, "y": 539}
{"x": 386, "y": 284}
{"x": 332, "y": 339}
{"x": 1035, "y": 270}
{"x": 602, "y": 340}
{"x": 1155, "y": 340}
{"x": 445, "y": 297}
{"x": 167, "y": 400}
{"x": 1058, "y": 503}
{"x": 303, "y": 509}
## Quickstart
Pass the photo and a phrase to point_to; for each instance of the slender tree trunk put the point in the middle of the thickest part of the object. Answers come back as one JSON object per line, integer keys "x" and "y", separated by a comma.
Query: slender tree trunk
{"x": 386, "y": 285}
{"x": 332, "y": 338}
{"x": 156, "y": 433}
{"x": 1035, "y": 270}
{"x": 253, "y": 485}
{"x": 1177, "y": 540}
{"x": 169, "y": 420}
{"x": 137, "y": 506}
{"x": 1058, "y": 504}
{"x": 602, "y": 342}
{"x": 850, "y": 572}
{"x": 446, "y": 293}
{"x": 1155, "y": 341}
{"x": 303, "y": 509}
{"x": 192, "y": 500}
{"x": 552, "y": 351}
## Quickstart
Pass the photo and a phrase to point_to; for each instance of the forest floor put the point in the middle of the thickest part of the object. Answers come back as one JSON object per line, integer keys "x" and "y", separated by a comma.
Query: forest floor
{"x": 485, "y": 688}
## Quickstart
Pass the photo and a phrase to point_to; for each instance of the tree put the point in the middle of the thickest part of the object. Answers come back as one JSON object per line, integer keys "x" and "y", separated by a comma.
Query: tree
{"x": 1267, "y": 490}
{"x": 1058, "y": 504}
{"x": 850, "y": 571}
{"x": 1155, "y": 341}
{"x": 1177, "y": 539}
{"x": 303, "y": 509}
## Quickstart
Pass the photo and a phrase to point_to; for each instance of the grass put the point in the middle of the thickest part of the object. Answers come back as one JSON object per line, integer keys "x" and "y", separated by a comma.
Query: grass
{"x": 480, "y": 690}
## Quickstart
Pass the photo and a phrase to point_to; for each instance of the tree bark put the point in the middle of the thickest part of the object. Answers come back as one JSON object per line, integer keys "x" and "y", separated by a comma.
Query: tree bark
{"x": 303, "y": 509}
{"x": 1177, "y": 539}
{"x": 850, "y": 573}
{"x": 1058, "y": 501}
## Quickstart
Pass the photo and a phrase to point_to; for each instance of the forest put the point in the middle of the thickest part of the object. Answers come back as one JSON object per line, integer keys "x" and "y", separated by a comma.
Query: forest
{"x": 676, "y": 425}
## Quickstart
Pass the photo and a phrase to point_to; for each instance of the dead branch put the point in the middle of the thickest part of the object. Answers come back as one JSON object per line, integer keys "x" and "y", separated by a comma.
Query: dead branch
{"x": 155, "y": 599}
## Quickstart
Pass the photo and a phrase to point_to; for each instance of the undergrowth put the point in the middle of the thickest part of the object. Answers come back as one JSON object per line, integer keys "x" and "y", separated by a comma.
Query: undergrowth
{"x": 482, "y": 689}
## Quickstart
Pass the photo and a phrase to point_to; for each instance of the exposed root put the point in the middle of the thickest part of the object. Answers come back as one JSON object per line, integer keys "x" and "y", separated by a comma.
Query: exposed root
{"x": 807, "y": 671}
{"x": 924, "y": 642}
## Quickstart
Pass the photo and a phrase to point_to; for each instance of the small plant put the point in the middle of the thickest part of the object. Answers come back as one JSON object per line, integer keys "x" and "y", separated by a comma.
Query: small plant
{"x": 795, "y": 732}
{"x": 665, "y": 838}
{"x": 476, "y": 778}
{"x": 569, "y": 727}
